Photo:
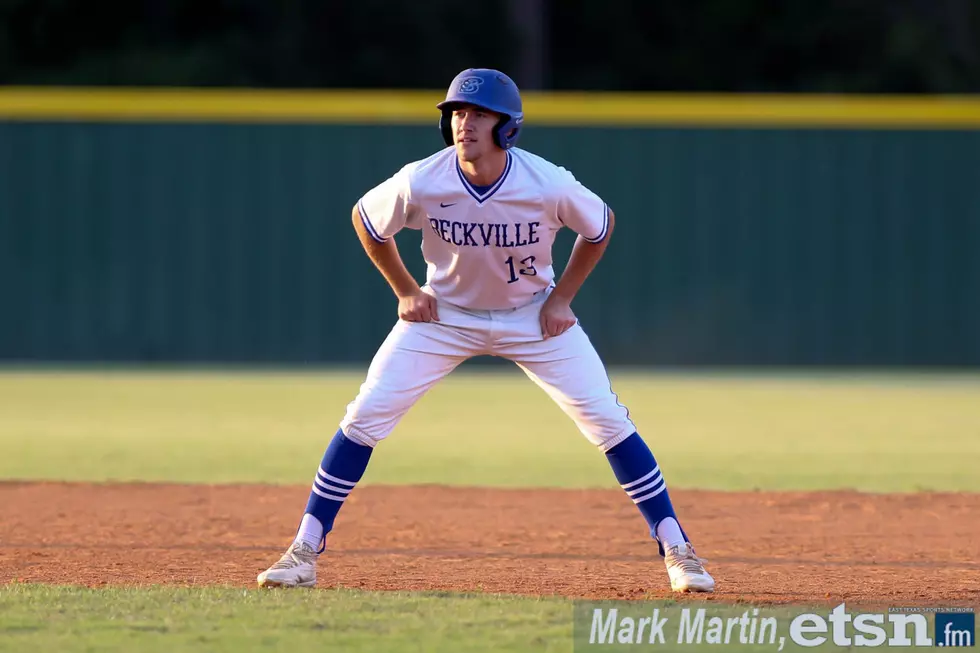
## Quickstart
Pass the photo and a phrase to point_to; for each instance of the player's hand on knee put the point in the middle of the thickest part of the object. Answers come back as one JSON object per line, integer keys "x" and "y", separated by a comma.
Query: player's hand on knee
{"x": 419, "y": 307}
{"x": 556, "y": 317}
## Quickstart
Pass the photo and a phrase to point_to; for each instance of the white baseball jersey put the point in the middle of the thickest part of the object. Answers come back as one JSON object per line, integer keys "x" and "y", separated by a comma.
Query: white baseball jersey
{"x": 489, "y": 259}
{"x": 486, "y": 248}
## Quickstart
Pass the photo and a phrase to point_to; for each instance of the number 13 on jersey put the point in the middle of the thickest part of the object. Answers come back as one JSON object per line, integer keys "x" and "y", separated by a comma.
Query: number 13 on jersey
{"x": 527, "y": 268}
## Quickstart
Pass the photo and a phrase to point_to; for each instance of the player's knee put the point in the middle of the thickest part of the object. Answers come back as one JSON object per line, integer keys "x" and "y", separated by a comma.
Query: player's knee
{"x": 605, "y": 423}
{"x": 373, "y": 415}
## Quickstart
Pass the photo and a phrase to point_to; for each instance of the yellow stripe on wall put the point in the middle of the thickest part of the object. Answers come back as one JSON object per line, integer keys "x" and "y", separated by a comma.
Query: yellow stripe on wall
{"x": 418, "y": 107}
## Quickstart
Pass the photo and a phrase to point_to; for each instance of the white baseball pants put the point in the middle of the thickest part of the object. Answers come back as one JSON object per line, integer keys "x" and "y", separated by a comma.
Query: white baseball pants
{"x": 416, "y": 355}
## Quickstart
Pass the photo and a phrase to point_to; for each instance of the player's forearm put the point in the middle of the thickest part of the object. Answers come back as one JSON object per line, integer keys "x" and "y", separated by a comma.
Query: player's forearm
{"x": 585, "y": 256}
{"x": 386, "y": 258}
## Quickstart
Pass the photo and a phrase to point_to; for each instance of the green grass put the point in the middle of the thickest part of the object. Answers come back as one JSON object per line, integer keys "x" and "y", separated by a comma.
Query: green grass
{"x": 869, "y": 432}
{"x": 40, "y": 618}
{"x": 68, "y": 619}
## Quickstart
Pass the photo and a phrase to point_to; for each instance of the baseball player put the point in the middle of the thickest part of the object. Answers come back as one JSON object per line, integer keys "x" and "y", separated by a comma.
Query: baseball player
{"x": 489, "y": 213}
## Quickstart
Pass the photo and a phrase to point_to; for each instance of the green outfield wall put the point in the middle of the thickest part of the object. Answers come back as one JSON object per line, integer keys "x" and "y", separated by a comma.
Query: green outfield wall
{"x": 201, "y": 227}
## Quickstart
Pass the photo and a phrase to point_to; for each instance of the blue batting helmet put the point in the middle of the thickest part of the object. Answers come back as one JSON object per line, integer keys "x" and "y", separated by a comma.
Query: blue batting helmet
{"x": 492, "y": 90}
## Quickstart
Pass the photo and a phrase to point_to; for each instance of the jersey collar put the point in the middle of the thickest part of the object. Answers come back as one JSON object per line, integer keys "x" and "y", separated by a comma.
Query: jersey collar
{"x": 480, "y": 199}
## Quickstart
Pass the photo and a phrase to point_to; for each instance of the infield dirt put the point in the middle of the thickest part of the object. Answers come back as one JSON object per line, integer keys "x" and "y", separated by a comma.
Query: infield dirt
{"x": 787, "y": 547}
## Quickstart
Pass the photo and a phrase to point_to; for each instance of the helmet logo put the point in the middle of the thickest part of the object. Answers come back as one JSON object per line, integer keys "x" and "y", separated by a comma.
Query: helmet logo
{"x": 470, "y": 84}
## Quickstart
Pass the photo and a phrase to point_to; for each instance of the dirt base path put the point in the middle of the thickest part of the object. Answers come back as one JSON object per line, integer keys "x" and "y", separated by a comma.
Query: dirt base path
{"x": 921, "y": 549}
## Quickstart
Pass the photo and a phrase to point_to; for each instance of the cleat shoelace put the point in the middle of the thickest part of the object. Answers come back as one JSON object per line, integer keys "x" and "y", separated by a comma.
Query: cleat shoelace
{"x": 690, "y": 562}
{"x": 291, "y": 558}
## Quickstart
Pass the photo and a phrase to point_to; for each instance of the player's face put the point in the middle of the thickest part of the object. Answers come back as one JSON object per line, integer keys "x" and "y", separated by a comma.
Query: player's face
{"x": 473, "y": 132}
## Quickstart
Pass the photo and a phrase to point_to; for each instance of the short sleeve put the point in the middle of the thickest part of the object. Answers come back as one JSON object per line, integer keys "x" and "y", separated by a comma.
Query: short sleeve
{"x": 582, "y": 211}
{"x": 387, "y": 208}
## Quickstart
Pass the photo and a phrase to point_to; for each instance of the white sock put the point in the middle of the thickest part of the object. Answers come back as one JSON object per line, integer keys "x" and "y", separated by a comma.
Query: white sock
{"x": 310, "y": 531}
{"x": 669, "y": 532}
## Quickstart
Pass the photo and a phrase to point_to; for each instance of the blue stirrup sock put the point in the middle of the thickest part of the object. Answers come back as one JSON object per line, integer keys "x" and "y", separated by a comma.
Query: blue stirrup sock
{"x": 639, "y": 475}
{"x": 342, "y": 467}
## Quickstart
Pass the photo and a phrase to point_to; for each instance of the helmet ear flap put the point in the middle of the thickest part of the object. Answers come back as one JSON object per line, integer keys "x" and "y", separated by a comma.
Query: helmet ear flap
{"x": 499, "y": 137}
{"x": 506, "y": 132}
{"x": 446, "y": 127}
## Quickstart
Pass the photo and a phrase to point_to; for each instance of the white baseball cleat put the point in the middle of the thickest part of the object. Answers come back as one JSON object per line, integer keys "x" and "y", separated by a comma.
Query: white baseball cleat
{"x": 686, "y": 570}
{"x": 296, "y": 568}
